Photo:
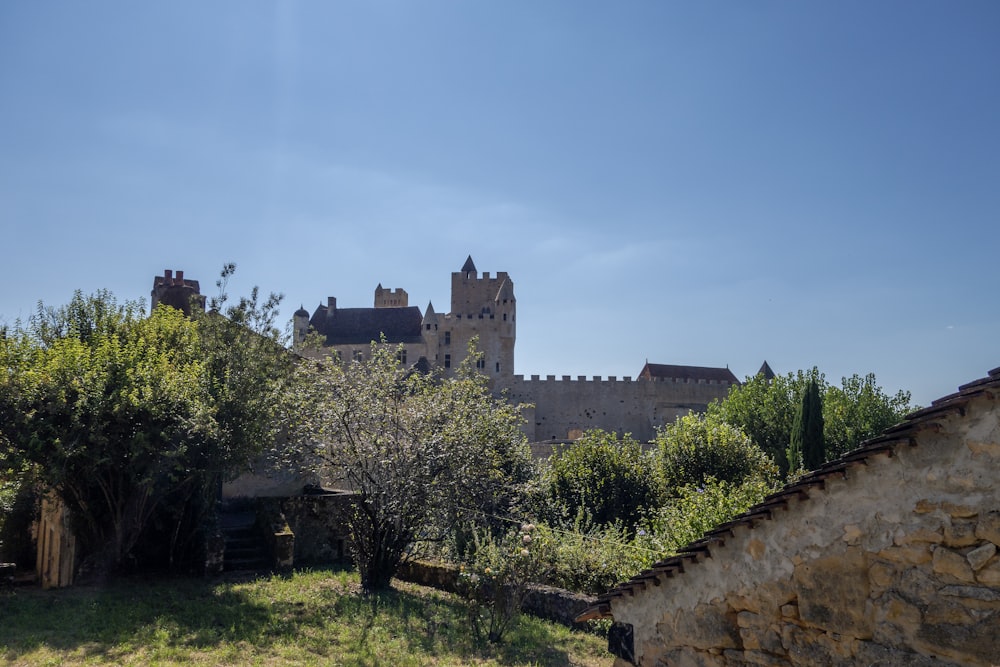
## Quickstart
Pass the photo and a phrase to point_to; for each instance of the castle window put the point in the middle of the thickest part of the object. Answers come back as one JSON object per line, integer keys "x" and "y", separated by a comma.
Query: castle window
{"x": 447, "y": 361}
{"x": 480, "y": 364}
{"x": 498, "y": 367}
{"x": 401, "y": 356}
{"x": 428, "y": 327}
{"x": 357, "y": 355}
{"x": 447, "y": 338}
{"x": 505, "y": 317}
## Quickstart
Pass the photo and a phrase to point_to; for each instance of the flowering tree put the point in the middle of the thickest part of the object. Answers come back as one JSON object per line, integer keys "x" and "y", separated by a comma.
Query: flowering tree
{"x": 419, "y": 451}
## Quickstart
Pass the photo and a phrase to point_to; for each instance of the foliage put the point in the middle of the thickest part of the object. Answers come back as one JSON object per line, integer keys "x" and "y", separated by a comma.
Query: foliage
{"x": 305, "y": 618}
{"x": 495, "y": 581}
{"x": 587, "y": 558}
{"x": 420, "y": 452}
{"x": 698, "y": 447}
{"x": 765, "y": 410}
{"x": 134, "y": 420}
{"x": 806, "y": 449}
{"x": 859, "y": 410}
{"x": 611, "y": 479}
{"x": 697, "y": 509}
{"x": 107, "y": 410}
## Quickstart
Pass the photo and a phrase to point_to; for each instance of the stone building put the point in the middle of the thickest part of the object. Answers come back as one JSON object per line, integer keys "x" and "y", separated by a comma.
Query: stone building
{"x": 886, "y": 556}
{"x": 484, "y": 307}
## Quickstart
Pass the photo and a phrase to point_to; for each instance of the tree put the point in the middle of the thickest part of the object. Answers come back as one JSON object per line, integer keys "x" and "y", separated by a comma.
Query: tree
{"x": 134, "y": 421}
{"x": 419, "y": 452}
{"x": 765, "y": 410}
{"x": 614, "y": 480}
{"x": 859, "y": 410}
{"x": 807, "y": 449}
{"x": 107, "y": 404}
{"x": 696, "y": 448}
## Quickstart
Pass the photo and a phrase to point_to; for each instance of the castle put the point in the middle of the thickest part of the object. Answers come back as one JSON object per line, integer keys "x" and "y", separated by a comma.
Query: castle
{"x": 483, "y": 306}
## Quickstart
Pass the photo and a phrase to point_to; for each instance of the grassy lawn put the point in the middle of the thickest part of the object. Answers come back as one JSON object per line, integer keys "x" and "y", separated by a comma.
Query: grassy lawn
{"x": 307, "y": 618}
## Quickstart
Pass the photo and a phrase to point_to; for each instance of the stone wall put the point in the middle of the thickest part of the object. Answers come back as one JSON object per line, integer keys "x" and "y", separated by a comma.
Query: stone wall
{"x": 548, "y": 602}
{"x": 564, "y": 408}
{"x": 890, "y": 559}
{"x": 319, "y": 523}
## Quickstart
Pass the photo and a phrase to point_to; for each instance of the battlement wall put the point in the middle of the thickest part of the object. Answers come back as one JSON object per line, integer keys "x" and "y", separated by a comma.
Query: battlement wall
{"x": 564, "y": 408}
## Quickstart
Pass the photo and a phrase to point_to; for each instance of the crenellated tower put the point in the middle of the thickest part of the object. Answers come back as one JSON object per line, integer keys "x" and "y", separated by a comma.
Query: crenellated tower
{"x": 481, "y": 306}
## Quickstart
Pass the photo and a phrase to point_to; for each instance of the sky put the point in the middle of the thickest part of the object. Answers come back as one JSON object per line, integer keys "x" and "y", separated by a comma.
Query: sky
{"x": 704, "y": 183}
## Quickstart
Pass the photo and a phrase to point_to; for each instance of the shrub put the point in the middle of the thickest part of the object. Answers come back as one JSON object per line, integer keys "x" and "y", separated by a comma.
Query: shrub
{"x": 697, "y": 509}
{"x": 612, "y": 479}
{"x": 496, "y": 580}
{"x": 695, "y": 448}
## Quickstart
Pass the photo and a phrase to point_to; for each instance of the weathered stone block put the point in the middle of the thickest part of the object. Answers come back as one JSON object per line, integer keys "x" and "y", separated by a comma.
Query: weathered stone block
{"x": 958, "y": 534}
{"x": 881, "y": 575}
{"x": 833, "y": 592}
{"x": 957, "y": 511}
{"x": 707, "y": 627}
{"x": 954, "y": 565}
{"x": 974, "y": 644}
{"x": 922, "y": 535}
{"x": 981, "y": 593}
{"x": 910, "y": 554}
{"x": 947, "y": 612}
{"x": 989, "y": 575}
{"x": 988, "y": 527}
{"x": 979, "y": 556}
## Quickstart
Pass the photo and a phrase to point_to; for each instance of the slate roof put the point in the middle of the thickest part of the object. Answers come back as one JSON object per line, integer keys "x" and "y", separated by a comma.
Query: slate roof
{"x": 690, "y": 373}
{"x": 765, "y": 370}
{"x": 900, "y": 435}
{"x": 361, "y": 326}
{"x": 469, "y": 266}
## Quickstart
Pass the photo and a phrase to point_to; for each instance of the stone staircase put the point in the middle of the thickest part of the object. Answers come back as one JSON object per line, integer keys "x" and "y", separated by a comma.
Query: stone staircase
{"x": 245, "y": 546}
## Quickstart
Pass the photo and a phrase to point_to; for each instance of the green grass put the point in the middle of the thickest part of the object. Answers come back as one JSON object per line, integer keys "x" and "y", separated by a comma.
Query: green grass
{"x": 307, "y": 618}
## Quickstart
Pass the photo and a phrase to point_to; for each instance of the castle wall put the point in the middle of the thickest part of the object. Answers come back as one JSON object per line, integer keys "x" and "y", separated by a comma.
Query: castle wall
{"x": 566, "y": 407}
{"x": 892, "y": 562}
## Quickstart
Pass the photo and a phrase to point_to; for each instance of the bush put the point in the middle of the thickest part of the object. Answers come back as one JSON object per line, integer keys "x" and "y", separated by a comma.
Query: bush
{"x": 611, "y": 479}
{"x": 495, "y": 581}
{"x": 697, "y": 509}
{"x": 695, "y": 448}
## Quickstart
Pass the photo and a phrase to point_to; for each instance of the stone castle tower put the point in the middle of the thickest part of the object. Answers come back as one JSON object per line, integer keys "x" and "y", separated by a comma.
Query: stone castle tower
{"x": 482, "y": 307}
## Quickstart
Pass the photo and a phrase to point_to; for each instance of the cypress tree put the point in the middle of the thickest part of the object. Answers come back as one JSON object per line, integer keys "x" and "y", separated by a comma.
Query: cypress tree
{"x": 807, "y": 430}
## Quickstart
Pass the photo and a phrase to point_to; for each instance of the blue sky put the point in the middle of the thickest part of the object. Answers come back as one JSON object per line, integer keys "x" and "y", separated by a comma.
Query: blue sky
{"x": 706, "y": 183}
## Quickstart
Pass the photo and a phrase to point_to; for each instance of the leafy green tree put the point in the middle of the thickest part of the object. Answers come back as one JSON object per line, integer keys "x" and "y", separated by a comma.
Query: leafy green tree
{"x": 612, "y": 479}
{"x": 807, "y": 448}
{"x": 696, "y": 448}
{"x": 107, "y": 404}
{"x": 765, "y": 410}
{"x": 134, "y": 421}
{"x": 859, "y": 410}
{"x": 420, "y": 452}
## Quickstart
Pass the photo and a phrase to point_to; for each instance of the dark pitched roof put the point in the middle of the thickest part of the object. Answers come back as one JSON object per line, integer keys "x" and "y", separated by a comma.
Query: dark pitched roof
{"x": 361, "y": 326}
{"x": 469, "y": 266}
{"x": 902, "y": 434}
{"x": 695, "y": 373}
{"x": 765, "y": 370}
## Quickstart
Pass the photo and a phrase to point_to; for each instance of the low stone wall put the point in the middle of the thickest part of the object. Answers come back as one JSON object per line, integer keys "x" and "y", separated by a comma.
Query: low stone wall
{"x": 548, "y": 602}
{"x": 319, "y": 523}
